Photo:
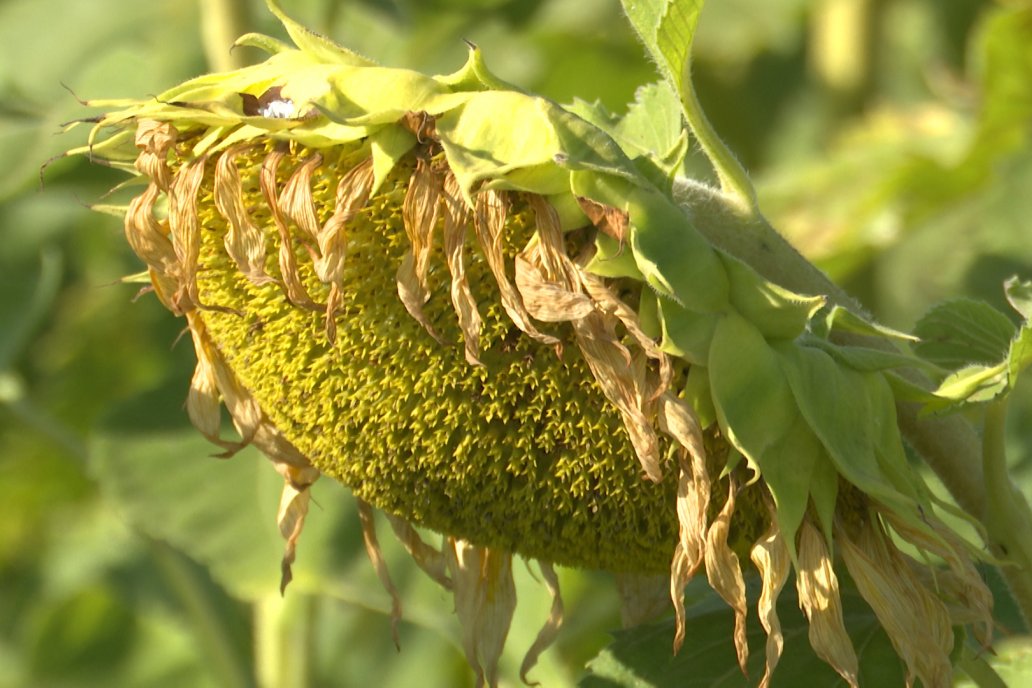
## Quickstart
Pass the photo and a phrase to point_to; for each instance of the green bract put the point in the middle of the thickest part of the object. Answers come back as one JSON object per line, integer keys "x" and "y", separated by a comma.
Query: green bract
{"x": 474, "y": 308}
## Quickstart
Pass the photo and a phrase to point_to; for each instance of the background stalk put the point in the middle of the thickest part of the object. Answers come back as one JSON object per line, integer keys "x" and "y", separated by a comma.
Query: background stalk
{"x": 222, "y": 22}
{"x": 283, "y": 639}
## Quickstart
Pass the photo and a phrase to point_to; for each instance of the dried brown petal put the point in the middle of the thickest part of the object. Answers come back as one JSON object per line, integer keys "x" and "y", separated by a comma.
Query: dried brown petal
{"x": 725, "y": 573}
{"x": 485, "y": 599}
{"x": 291, "y": 515}
{"x": 820, "y": 601}
{"x": 372, "y": 547}
{"x": 155, "y": 139}
{"x": 549, "y": 301}
{"x": 296, "y": 200}
{"x": 292, "y": 285}
{"x": 352, "y": 195}
{"x": 771, "y": 557}
{"x": 489, "y": 222}
{"x": 610, "y": 221}
{"x": 185, "y": 230}
{"x": 353, "y": 191}
{"x": 148, "y": 239}
{"x": 915, "y": 620}
{"x": 245, "y": 242}
{"x": 623, "y": 383}
{"x": 693, "y": 494}
{"x": 419, "y": 212}
{"x": 428, "y": 558}
{"x": 961, "y": 587}
{"x": 548, "y": 633}
{"x": 456, "y": 222}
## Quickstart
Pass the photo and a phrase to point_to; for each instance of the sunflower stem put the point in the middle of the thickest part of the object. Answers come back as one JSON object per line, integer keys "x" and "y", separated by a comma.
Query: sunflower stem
{"x": 222, "y": 22}
{"x": 1008, "y": 518}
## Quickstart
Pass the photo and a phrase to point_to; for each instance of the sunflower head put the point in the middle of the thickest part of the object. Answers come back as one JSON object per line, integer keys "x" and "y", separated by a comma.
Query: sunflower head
{"x": 475, "y": 310}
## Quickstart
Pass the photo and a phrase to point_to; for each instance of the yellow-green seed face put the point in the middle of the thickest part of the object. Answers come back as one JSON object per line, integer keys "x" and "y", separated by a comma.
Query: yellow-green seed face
{"x": 523, "y": 453}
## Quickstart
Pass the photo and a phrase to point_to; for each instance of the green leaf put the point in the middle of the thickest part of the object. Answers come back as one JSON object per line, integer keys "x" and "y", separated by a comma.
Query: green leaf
{"x": 641, "y": 657}
{"x": 962, "y": 332}
{"x": 1019, "y": 294}
{"x": 667, "y": 29}
{"x": 674, "y": 258}
{"x": 686, "y": 334}
{"x": 221, "y": 513}
{"x": 27, "y": 293}
{"x": 653, "y": 123}
{"x": 758, "y": 415}
{"x": 848, "y": 411}
{"x": 777, "y": 312}
{"x": 841, "y": 319}
{"x": 867, "y": 360}
{"x": 1020, "y": 355}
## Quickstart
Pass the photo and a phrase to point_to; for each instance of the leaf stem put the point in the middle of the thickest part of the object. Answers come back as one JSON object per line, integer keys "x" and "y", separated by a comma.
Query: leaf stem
{"x": 734, "y": 180}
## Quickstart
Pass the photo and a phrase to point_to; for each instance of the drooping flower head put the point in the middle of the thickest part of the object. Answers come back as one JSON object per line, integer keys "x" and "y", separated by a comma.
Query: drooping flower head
{"x": 477, "y": 311}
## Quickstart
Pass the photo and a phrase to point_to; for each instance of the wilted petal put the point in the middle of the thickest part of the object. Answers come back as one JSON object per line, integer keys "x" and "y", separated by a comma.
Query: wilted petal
{"x": 820, "y": 601}
{"x": 296, "y": 200}
{"x": 485, "y": 598}
{"x": 352, "y": 194}
{"x": 245, "y": 242}
{"x": 419, "y": 212}
{"x": 155, "y": 139}
{"x": 372, "y": 547}
{"x": 185, "y": 230}
{"x": 412, "y": 294}
{"x": 693, "y": 494}
{"x": 961, "y": 588}
{"x": 456, "y": 222}
{"x": 915, "y": 620}
{"x": 547, "y": 635}
{"x": 148, "y": 239}
{"x": 607, "y": 302}
{"x": 489, "y": 222}
{"x": 771, "y": 557}
{"x": 623, "y": 383}
{"x": 292, "y": 285}
{"x": 428, "y": 558}
{"x": 549, "y": 301}
{"x": 725, "y": 573}
{"x": 291, "y": 514}
{"x": 203, "y": 403}
{"x": 545, "y": 276}
{"x": 610, "y": 221}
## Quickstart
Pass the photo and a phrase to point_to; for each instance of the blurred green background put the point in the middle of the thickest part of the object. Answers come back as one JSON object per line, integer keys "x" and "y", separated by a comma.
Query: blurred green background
{"x": 888, "y": 138}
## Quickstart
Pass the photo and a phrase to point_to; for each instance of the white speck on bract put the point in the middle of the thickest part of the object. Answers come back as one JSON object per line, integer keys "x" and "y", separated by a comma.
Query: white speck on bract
{"x": 277, "y": 109}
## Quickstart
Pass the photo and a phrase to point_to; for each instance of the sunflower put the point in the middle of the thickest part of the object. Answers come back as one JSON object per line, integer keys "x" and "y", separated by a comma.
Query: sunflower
{"x": 477, "y": 311}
